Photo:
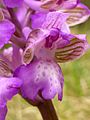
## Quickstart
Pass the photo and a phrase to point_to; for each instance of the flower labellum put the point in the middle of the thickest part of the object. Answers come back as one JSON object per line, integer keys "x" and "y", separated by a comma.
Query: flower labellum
{"x": 43, "y": 76}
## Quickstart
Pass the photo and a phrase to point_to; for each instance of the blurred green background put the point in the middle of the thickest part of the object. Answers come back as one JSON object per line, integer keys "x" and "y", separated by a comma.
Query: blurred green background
{"x": 76, "y": 100}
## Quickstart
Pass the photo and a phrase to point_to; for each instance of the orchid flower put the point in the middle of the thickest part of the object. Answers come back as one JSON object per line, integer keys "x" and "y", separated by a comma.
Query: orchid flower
{"x": 48, "y": 45}
{"x": 39, "y": 38}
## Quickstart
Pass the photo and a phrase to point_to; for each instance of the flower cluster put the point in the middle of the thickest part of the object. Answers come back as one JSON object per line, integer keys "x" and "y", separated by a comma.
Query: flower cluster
{"x": 34, "y": 37}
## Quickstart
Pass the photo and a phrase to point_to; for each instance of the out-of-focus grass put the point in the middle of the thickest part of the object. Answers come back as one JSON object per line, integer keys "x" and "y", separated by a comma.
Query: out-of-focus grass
{"x": 76, "y": 100}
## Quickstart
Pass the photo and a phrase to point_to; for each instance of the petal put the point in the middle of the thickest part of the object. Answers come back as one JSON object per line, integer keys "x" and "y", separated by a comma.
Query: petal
{"x": 7, "y": 53}
{"x": 54, "y": 20}
{"x": 6, "y": 30}
{"x": 63, "y": 40}
{"x": 5, "y": 68}
{"x": 78, "y": 15}
{"x": 24, "y": 17}
{"x": 41, "y": 76}
{"x": 52, "y": 37}
{"x": 75, "y": 49}
{"x": 3, "y": 112}
{"x": 48, "y": 20}
{"x": 26, "y": 31}
{"x": 65, "y": 28}
{"x": 34, "y": 4}
{"x": 13, "y": 3}
{"x": 28, "y": 54}
{"x": 49, "y": 4}
{"x": 8, "y": 88}
{"x": 37, "y": 19}
{"x": 59, "y": 4}
{"x": 21, "y": 15}
{"x": 68, "y": 4}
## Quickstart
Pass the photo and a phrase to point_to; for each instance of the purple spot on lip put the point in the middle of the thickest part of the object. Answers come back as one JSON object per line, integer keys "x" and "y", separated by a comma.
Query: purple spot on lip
{"x": 40, "y": 79}
{"x": 43, "y": 73}
{"x": 50, "y": 79}
{"x": 51, "y": 84}
{"x": 45, "y": 67}
{"x": 37, "y": 79}
{"x": 39, "y": 66}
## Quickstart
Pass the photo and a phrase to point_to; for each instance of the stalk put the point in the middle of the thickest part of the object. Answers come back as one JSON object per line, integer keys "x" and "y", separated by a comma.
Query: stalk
{"x": 46, "y": 109}
{"x": 16, "y": 22}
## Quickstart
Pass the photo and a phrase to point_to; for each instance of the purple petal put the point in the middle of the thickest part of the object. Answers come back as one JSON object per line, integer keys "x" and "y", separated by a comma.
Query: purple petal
{"x": 26, "y": 31}
{"x": 75, "y": 49}
{"x": 78, "y": 15}
{"x": 63, "y": 40}
{"x": 57, "y": 38}
{"x": 8, "y": 88}
{"x": 3, "y": 112}
{"x": 54, "y": 20}
{"x": 68, "y": 4}
{"x": 65, "y": 28}
{"x": 57, "y": 4}
{"x": 22, "y": 16}
{"x": 49, "y": 4}
{"x": 49, "y": 20}
{"x": 50, "y": 39}
{"x": 38, "y": 19}
{"x": 41, "y": 76}
{"x": 42, "y": 6}
{"x": 6, "y": 30}
{"x": 13, "y": 3}
{"x": 34, "y": 4}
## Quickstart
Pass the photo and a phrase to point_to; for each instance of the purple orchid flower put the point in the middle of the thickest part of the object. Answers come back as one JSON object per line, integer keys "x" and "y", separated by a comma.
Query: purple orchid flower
{"x": 39, "y": 39}
{"x": 48, "y": 45}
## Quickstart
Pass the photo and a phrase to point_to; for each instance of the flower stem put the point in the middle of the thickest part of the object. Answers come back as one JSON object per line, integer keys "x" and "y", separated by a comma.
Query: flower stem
{"x": 47, "y": 110}
{"x": 15, "y": 21}
{"x": 20, "y": 42}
